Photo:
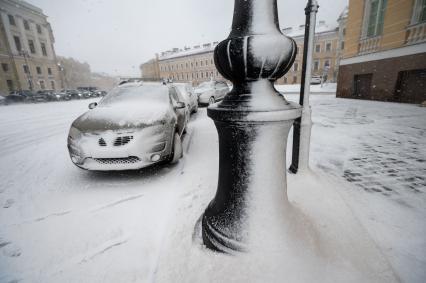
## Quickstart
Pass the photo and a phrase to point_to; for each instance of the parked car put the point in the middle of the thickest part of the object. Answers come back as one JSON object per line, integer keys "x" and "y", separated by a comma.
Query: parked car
{"x": 134, "y": 126}
{"x": 210, "y": 92}
{"x": 99, "y": 93}
{"x": 73, "y": 94}
{"x": 315, "y": 80}
{"x": 189, "y": 95}
{"x": 19, "y": 96}
{"x": 46, "y": 95}
{"x": 2, "y": 100}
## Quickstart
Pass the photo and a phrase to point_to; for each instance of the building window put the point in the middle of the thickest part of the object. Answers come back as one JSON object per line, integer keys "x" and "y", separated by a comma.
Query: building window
{"x": 201, "y": 63}
{"x": 186, "y": 65}
{"x": 10, "y": 85}
{"x": 26, "y": 69}
{"x": 42, "y": 85}
{"x": 192, "y": 65}
{"x": 49, "y": 71}
{"x": 328, "y": 47}
{"x": 296, "y": 67}
{"x": 12, "y": 20}
{"x": 5, "y": 67}
{"x": 285, "y": 80}
{"x": 38, "y": 29}
{"x": 342, "y": 45}
{"x": 294, "y": 79}
{"x": 43, "y": 49}
{"x": 52, "y": 85}
{"x": 374, "y": 16}
{"x": 38, "y": 70}
{"x": 419, "y": 12}
{"x": 327, "y": 63}
{"x": 211, "y": 61}
{"x": 31, "y": 45}
{"x": 316, "y": 65}
{"x": 17, "y": 43}
{"x": 26, "y": 25}
{"x": 207, "y": 62}
{"x": 318, "y": 48}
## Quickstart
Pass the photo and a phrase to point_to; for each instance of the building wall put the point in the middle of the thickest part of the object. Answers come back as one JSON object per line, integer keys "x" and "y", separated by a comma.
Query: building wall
{"x": 386, "y": 57}
{"x": 294, "y": 75}
{"x": 151, "y": 69}
{"x": 196, "y": 68}
{"x": 30, "y": 24}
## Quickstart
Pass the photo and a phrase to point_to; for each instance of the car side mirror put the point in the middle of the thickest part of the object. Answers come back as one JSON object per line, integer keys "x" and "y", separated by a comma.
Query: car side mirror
{"x": 93, "y": 105}
{"x": 180, "y": 105}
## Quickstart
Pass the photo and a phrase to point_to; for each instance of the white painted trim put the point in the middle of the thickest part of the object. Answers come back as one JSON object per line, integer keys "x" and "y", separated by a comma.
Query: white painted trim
{"x": 393, "y": 53}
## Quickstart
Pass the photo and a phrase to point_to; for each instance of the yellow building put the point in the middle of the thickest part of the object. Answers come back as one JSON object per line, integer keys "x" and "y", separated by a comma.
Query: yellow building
{"x": 385, "y": 53}
{"x": 27, "y": 56}
{"x": 325, "y": 57}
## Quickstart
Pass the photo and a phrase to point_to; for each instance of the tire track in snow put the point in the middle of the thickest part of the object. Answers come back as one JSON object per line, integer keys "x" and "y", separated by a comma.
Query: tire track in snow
{"x": 106, "y": 246}
{"x": 117, "y": 202}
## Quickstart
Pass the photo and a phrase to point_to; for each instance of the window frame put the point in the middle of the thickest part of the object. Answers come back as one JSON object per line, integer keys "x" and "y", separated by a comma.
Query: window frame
{"x": 419, "y": 7}
{"x": 378, "y": 28}
{"x": 12, "y": 20}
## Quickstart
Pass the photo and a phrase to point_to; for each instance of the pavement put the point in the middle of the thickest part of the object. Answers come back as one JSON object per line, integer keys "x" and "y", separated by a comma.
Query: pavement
{"x": 105, "y": 228}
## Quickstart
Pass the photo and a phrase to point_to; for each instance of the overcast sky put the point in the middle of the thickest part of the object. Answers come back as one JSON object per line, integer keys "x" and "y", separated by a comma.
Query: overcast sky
{"x": 115, "y": 36}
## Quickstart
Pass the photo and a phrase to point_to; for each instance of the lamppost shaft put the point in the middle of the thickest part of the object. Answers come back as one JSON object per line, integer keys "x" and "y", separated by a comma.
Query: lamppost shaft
{"x": 303, "y": 125}
{"x": 253, "y": 122}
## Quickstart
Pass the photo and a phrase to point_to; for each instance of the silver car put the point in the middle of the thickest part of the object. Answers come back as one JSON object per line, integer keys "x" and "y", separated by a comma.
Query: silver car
{"x": 189, "y": 95}
{"x": 134, "y": 126}
{"x": 210, "y": 92}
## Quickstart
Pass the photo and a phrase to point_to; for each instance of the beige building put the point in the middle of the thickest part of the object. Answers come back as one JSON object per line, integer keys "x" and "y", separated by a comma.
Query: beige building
{"x": 326, "y": 52}
{"x": 194, "y": 65}
{"x": 385, "y": 51}
{"x": 151, "y": 70}
{"x": 27, "y": 55}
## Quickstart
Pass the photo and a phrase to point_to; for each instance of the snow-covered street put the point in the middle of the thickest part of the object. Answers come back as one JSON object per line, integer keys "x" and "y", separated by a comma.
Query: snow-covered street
{"x": 62, "y": 224}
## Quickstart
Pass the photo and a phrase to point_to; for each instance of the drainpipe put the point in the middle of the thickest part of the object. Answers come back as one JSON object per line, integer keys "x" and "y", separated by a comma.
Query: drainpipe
{"x": 303, "y": 125}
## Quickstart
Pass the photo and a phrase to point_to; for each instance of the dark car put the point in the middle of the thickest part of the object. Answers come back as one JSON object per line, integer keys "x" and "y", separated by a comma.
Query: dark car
{"x": 134, "y": 126}
{"x": 73, "y": 94}
{"x": 19, "y": 96}
{"x": 46, "y": 95}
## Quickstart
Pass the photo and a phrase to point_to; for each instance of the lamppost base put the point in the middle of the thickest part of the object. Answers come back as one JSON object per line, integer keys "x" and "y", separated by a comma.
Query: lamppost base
{"x": 251, "y": 199}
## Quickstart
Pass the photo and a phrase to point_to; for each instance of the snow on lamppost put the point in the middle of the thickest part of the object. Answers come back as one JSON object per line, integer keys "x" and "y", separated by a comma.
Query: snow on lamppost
{"x": 303, "y": 125}
{"x": 253, "y": 122}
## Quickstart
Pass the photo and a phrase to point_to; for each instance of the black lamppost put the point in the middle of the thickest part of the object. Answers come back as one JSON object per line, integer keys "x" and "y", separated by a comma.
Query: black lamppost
{"x": 253, "y": 122}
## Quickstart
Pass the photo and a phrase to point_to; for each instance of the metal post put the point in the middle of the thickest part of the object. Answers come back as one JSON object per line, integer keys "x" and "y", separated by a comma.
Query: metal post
{"x": 302, "y": 126}
{"x": 30, "y": 84}
{"x": 253, "y": 122}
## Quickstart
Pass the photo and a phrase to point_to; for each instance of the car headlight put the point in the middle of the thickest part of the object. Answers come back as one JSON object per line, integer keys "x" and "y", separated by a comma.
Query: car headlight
{"x": 75, "y": 133}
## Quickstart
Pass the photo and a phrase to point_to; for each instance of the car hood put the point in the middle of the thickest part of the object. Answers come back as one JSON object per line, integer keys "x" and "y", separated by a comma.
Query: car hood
{"x": 128, "y": 116}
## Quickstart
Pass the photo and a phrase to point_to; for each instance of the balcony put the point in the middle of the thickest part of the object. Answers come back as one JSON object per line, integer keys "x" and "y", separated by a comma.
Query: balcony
{"x": 415, "y": 33}
{"x": 369, "y": 45}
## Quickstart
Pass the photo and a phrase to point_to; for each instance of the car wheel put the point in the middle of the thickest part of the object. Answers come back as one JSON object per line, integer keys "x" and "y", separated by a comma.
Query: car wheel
{"x": 177, "y": 152}
{"x": 211, "y": 100}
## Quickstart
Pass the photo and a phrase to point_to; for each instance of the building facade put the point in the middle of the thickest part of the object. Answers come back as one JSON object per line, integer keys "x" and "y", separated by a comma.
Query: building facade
{"x": 385, "y": 51}
{"x": 151, "y": 69}
{"x": 325, "y": 55}
{"x": 194, "y": 65}
{"x": 27, "y": 55}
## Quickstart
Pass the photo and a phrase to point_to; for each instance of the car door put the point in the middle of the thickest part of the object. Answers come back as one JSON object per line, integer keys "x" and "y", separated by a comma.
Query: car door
{"x": 180, "y": 112}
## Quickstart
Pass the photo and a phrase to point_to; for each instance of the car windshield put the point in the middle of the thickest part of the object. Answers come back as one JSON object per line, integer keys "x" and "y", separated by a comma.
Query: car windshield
{"x": 146, "y": 93}
{"x": 206, "y": 85}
